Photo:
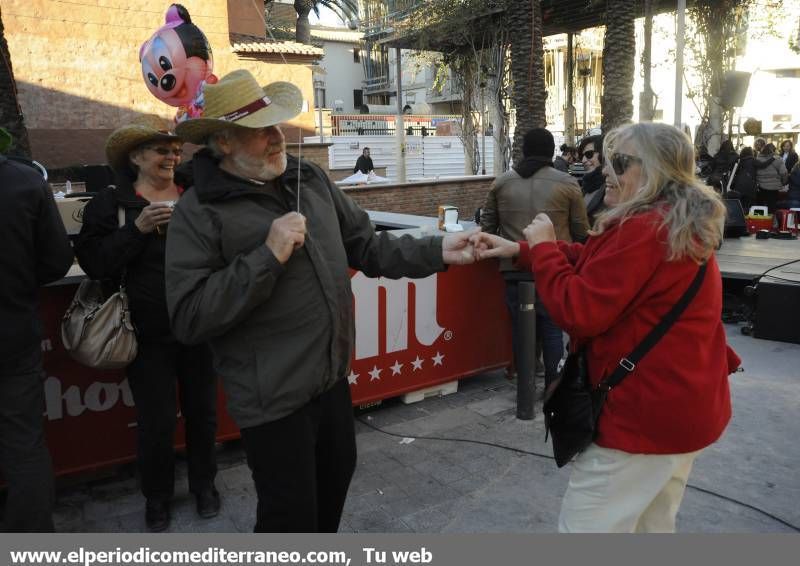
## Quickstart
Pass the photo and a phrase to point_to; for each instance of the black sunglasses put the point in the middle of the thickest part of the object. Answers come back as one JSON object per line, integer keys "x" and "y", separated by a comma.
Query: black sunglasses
{"x": 177, "y": 152}
{"x": 621, "y": 161}
{"x": 589, "y": 154}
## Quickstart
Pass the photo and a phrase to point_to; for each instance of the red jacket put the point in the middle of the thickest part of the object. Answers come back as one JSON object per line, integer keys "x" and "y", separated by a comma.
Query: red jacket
{"x": 608, "y": 294}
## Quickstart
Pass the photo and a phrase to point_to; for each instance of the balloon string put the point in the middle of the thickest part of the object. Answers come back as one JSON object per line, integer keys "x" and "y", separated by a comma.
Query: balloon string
{"x": 299, "y": 156}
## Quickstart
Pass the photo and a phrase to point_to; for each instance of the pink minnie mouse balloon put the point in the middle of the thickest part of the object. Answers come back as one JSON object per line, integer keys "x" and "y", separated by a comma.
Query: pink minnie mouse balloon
{"x": 176, "y": 60}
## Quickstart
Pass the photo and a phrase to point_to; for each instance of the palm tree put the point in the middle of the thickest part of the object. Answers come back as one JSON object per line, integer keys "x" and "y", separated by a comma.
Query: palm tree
{"x": 345, "y": 9}
{"x": 619, "y": 51}
{"x": 10, "y": 112}
{"x": 527, "y": 69}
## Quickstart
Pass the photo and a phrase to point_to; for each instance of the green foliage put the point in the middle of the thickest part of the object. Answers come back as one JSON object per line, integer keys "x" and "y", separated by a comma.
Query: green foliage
{"x": 466, "y": 42}
{"x": 720, "y": 33}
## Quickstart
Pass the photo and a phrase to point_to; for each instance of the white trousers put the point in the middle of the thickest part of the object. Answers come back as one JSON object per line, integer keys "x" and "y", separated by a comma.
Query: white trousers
{"x": 611, "y": 491}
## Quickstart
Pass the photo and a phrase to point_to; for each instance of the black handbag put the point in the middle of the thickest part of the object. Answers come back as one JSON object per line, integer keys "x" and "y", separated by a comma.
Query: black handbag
{"x": 572, "y": 406}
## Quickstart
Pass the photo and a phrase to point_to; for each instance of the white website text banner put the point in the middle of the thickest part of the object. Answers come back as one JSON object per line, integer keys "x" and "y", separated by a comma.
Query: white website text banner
{"x": 398, "y": 550}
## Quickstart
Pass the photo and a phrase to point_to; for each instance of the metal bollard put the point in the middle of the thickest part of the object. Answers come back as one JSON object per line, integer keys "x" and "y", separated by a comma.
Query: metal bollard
{"x": 526, "y": 365}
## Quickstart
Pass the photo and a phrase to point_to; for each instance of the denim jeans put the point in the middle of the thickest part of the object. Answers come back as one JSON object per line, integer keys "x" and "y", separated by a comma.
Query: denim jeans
{"x": 547, "y": 333}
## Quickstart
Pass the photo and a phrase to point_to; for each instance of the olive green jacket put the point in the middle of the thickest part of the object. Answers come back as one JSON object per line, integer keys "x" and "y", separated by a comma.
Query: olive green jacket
{"x": 224, "y": 285}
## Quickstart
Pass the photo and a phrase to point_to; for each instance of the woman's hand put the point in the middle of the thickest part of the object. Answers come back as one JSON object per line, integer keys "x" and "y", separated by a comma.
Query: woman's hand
{"x": 491, "y": 245}
{"x": 540, "y": 230}
{"x": 152, "y": 215}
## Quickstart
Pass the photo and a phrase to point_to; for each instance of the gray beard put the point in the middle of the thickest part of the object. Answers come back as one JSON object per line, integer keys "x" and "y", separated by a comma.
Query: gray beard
{"x": 257, "y": 169}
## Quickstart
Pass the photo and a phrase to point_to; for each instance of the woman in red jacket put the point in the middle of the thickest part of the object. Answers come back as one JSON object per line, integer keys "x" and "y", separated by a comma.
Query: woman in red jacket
{"x": 608, "y": 294}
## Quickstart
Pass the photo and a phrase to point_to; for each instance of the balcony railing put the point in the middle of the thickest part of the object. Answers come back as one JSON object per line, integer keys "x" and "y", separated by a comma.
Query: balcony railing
{"x": 381, "y": 83}
{"x": 381, "y": 20}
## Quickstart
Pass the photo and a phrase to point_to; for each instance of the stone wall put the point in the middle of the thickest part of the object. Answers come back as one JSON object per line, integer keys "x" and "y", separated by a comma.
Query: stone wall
{"x": 79, "y": 77}
{"x": 423, "y": 198}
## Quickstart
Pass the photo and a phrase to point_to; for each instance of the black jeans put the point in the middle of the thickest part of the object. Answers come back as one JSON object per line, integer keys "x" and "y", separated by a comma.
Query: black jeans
{"x": 24, "y": 458}
{"x": 768, "y": 199}
{"x": 547, "y": 333}
{"x": 302, "y": 465}
{"x": 152, "y": 377}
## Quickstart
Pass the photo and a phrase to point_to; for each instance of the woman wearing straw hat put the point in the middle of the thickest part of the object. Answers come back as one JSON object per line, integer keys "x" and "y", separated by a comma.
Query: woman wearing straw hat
{"x": 124, "y": 236}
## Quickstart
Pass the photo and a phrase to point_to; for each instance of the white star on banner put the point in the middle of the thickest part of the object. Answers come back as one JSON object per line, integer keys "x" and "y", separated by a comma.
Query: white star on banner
{"x": 396, "y": 368}
{"x": 352, "y": 379}
{"x": 437, "y": 359}
{"x": 375, "y": 373}
{"x": 417, "y": 363}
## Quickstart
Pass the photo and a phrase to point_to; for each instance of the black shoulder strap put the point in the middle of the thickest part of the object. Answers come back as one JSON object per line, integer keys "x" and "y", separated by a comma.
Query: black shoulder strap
{"x": 628, "y": 364}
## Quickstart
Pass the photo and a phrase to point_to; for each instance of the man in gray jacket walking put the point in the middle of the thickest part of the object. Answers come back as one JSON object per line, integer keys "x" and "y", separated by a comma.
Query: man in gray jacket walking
{"x": 257, "y": 265}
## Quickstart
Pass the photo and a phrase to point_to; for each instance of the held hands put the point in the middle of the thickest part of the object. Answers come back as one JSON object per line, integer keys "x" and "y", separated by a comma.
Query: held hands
{"x": 491, "y": 245}
{"x": 152, "y": 215}
{"x": 458, "y": 249}
{"x": 540, "y": 230}
{"x": 286, "y": 234}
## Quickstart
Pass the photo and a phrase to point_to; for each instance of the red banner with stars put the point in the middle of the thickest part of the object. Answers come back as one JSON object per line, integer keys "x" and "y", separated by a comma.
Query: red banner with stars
{"x": 410, "y": 334}
{"x": 416, "y": 333}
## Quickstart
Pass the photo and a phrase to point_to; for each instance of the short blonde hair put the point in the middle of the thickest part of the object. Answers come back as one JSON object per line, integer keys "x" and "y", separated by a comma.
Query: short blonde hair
{"x": 692, "y": 212}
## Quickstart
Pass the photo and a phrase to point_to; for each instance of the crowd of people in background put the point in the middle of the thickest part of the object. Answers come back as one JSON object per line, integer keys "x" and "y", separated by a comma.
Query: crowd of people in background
{"x": 764, "y": 174}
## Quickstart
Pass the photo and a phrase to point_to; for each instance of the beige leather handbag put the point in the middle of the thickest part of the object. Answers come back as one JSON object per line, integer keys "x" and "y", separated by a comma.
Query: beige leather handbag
{"x": 99, "y": 333}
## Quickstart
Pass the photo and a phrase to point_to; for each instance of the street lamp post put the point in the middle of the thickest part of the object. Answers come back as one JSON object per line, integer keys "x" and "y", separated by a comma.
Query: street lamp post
{"x": 483, "y": 127}
{"x": 584, "y": 70}
{"x": 319, "y": 86}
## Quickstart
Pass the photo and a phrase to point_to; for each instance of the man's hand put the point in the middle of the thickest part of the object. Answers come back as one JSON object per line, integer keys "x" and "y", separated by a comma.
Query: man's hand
{"x": 152, "y": 215}
{"x": 491, "y": 245}
{"x": 457, "y": 248}
{"x": 540, "y": 230}
{"x": 286, "y": 234}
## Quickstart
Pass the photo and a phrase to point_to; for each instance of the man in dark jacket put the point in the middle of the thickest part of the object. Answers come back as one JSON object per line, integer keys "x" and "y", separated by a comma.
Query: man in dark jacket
{"x": 364, "y": 162}
{"x": 516, "y": 197}
{"x": 257, "y": 264}
{"x": 36, "y": 251}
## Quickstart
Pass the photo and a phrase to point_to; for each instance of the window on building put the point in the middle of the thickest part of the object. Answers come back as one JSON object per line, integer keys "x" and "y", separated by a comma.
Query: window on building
{"x": 356, "y": 55}
{"x": 358, "y": 99}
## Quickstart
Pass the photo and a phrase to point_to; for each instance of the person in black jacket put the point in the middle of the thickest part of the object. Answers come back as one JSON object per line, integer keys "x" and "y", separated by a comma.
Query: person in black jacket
{"x": 722, "y": 165}
{"x": 744, "y": 183}
{"x": 36, "y": 251}
{"x": 364, "y": 163}
{"x": 593, "y": 182}
{"x": 788, "y": 154}
{"x": 144, "y": 158}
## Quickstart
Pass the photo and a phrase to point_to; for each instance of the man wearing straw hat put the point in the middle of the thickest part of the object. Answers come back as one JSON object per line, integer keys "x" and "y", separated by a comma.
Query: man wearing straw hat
{"x": 257, "y": 265}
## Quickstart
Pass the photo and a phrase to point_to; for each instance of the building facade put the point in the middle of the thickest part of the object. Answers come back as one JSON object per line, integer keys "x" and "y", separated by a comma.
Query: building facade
{"x": 78, "y": 73}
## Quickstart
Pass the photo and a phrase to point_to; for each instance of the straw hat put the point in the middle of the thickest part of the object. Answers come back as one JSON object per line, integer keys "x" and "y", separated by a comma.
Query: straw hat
{"x": 237, "y": 100}
{"x": 122, "y": 141}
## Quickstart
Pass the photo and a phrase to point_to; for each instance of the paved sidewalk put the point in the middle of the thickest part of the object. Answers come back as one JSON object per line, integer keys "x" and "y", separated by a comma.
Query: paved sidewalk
{"x": 436, "y": 486}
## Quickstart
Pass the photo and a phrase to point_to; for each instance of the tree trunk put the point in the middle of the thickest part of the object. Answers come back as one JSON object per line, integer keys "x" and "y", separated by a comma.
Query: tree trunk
{"x": 302, "y": 32}
{"x": 498, "y": 131}
{"x": 619, "y": 54}
{"x": 646, "y": 97}
{"x": 10, "y": 112}
{"x": 527, "y": 69}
